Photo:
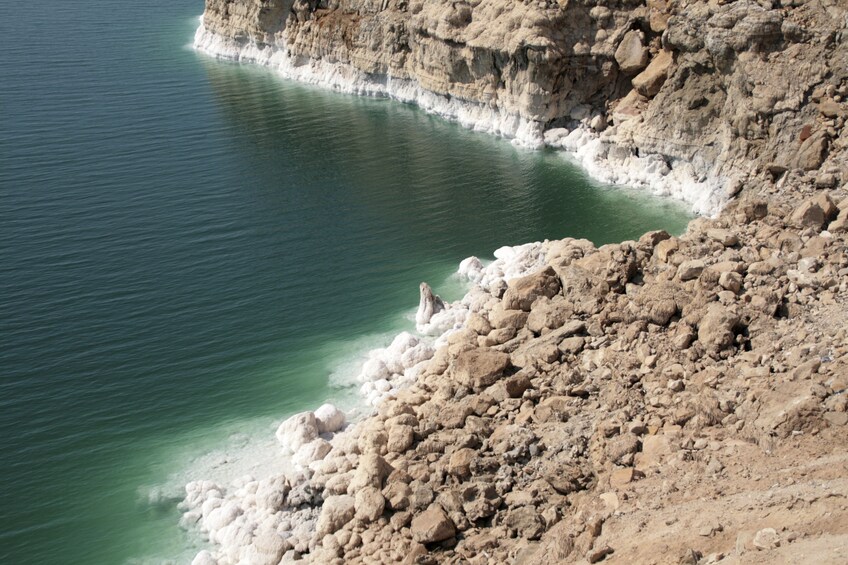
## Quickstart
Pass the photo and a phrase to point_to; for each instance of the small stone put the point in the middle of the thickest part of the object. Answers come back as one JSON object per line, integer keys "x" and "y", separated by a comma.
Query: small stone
{"x": 599, "y": 554}
{"x": 767, "y": 538}
{"x": 622, "y": 477}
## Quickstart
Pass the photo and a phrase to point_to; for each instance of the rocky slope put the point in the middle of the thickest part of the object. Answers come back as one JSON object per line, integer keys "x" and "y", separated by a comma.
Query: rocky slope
{"x": 666, "y": 400}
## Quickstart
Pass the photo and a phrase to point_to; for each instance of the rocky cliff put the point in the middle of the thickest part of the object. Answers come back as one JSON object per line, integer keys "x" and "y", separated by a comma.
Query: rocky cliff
{"x": 696, "y": 99}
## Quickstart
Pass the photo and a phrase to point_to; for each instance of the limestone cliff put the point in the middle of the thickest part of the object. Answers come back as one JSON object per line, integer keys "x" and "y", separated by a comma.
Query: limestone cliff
{"x": 722, "y": 94}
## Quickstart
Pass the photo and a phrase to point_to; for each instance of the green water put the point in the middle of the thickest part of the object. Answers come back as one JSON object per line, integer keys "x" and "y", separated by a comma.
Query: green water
{"x": 191, "y": 248}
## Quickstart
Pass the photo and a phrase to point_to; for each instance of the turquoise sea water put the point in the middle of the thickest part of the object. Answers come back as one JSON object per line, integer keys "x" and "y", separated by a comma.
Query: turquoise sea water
{"x": 189, "y": 249}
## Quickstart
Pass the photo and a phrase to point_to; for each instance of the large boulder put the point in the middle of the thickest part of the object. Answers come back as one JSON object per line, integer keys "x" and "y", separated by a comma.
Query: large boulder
{"x": 717, "y": 329}
{"x": 369, "y": 503}
{"x": 479, "y": 368}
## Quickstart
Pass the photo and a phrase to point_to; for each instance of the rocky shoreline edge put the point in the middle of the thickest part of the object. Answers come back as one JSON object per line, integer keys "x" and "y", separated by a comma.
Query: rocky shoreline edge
{"x": 577, "y": 394}
{"x": 582, "y": 140}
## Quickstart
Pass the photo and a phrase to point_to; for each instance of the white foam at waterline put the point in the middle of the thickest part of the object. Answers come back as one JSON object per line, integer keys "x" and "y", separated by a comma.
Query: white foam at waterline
{"x": 346, "y": 78}
{"x": 653, "y": 173}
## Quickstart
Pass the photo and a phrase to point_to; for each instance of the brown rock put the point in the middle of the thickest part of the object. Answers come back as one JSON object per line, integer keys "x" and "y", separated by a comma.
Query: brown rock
{"x": 522, "y": 292}
{"x": 622, "y": 477}
{"x": 632, "y": 55}
{"x": 716, "y": 330}
{"x": 526, "y": 522}
{"x": 479, "y": 368}
{"x": 433, "y": 525}
{"x": 812, "y": 152}
{"x": 649, "y": 81}
{"x": 461, "y": 461}
{"x": 516, "y": 385}
{"x": 808, "y": 215}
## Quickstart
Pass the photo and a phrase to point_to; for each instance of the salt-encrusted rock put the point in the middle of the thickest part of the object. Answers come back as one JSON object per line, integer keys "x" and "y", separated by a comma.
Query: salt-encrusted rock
{"x": 330, "y": 419}
{"x": 310, "y": 452}
{"x": 429, "y": 304}
{"x": 479, "y": 368}
{"x": 335, "y": 513}
{"x": 267, "y": 548}
{"x": 767, "y": 538}
{"x": 432, "y": 525}
{"x": 204, "y": 558}
{"x": 472, "y": 269}
{"x": 632, "y": 55}
{"x": 297, "y": 431}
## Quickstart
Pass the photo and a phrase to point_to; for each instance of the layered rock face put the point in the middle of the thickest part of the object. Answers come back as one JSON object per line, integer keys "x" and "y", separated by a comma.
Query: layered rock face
{"x": 727, "y": 93}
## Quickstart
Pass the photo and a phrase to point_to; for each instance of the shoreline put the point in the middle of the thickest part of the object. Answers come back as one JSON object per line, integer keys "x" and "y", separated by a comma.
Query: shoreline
{"x": 652, "y": 173}
{"x": 324, "y": 441}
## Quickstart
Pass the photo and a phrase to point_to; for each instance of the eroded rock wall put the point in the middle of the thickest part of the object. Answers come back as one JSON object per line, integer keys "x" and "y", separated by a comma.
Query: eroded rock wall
{"x": 736, "y": 92}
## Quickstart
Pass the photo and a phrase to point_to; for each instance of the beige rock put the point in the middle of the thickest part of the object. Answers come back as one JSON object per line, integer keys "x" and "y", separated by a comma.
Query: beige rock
{"x": 716, "y": 331}
{"x": 335, "y": 513}
{"x": 649, "y": 81}
{"x": 433, "y": 525}
{"x": 369, "y": 504}
{"x": 400, "y": 438}
{"x": 632, "y": 55}
{"x": 689, "y": 270}
{"x": 522, "y": 292}
{"x": 479, "y": 368}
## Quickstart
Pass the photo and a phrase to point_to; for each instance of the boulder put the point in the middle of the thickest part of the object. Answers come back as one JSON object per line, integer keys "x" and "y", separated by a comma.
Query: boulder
{"x": 335, "y": 513}
{"x": 297, "y": 431}
{"x": 330, "y": 419}
{"x": 717, "y": 329}
{"x": 689, "y": 270}
{"x": 632, "y": 55}
{"x": 649, "y": 81}
{"x": 808, "y": 215}
{"x": 371, "y": 471}
{"x": 522, "y": 292}
{"x": 400, "y": 438}
{"x": 479, "y": 368}
{"x": 369, "y": 503}
{"x": 432, "y": 526}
